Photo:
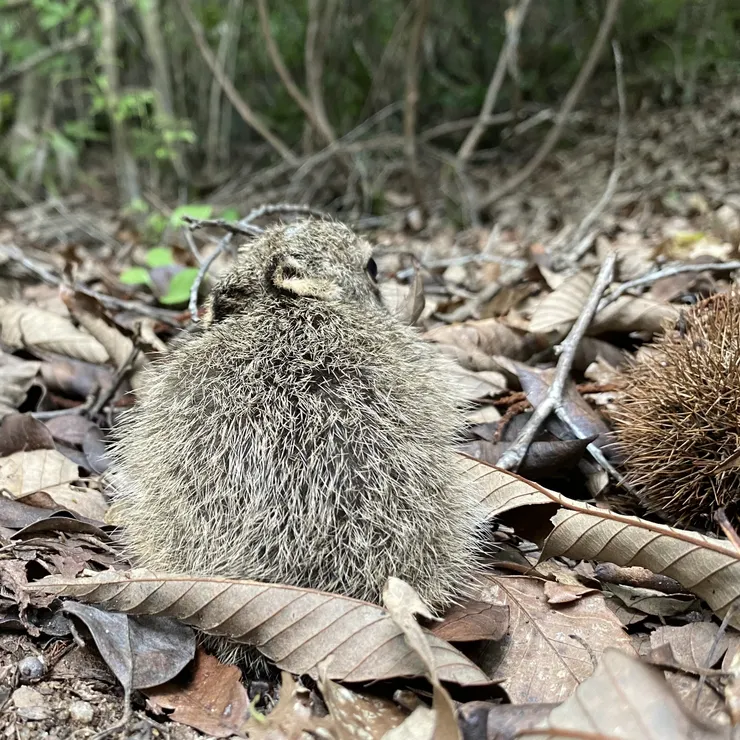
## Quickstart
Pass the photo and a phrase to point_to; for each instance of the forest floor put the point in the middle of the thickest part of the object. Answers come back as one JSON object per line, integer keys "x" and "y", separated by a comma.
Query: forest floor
{"x": 499, "y": 298}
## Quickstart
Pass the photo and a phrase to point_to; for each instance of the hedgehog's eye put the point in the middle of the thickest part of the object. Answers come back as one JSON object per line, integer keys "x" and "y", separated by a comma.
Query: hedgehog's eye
{"x": 372, "y": 270}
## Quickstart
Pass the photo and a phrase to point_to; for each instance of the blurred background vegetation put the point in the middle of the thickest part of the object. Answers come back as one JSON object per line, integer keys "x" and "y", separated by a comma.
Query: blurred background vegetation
{"x": 176, "y": 99}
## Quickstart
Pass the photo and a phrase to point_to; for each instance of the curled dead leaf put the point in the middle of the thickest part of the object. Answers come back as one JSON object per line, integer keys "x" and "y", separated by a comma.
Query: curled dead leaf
{"x": 28, "y": 327}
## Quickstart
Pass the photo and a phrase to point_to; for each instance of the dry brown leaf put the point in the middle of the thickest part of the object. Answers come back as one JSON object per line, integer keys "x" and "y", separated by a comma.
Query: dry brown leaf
{"x": 559, "y": 309}
{"x": 477, "y": 385}
{"x": 473, "y": 620}
{"x": 359, "y": 716}
{"x": 295, "y": 628}
{"x": 91, "y": 317}
{"x": 403, "y": 604}
{"x": 625, "y": 700}
{"x": 16, "y": 377}
{"x": 649, "y": 601}
{"x": 548, "y": 651}
{"x": 405, "y": 302}
{"x": 706, "y": 566}
{"x": 695, "y": 648}
{"x": 633, "y": 313}
{"x": 27, "y": 327}
{"x": 566, "y": 593}
{"x": 23, "y": 473}
{"x": 213, "y": 701}
{"x": 87, "y": 502}
{"x": 480, "y": 340}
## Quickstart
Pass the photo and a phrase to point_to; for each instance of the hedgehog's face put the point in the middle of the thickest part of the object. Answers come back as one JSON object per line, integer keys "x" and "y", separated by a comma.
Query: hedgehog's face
{"x": 312, "y": 260}
{"x": 321, "y": 260}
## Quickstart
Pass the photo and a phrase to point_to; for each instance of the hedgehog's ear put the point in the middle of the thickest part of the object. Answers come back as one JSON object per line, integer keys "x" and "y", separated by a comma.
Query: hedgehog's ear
{"x": 293, "y": 276}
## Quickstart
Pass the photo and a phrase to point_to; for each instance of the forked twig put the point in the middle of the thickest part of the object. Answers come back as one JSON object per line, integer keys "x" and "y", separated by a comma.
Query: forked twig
{"x": 666, "y": 272}
{"x": 512, "y": 458}
{"x": 569, "y": 103}
{"x": 581, "y": 239}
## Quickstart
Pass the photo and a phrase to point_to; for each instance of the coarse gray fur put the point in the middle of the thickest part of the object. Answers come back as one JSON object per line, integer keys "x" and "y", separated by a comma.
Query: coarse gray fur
{"x": 304, "y": 436}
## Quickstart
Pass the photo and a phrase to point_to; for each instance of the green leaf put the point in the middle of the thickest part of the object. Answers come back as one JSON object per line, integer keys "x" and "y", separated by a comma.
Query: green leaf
{"x": 193, "y": 210}
{"x": 135, "y": 276}
{"x": 180, "y": 285}
{"x": 230, "y": 214}
{"x": 159, "y": 257}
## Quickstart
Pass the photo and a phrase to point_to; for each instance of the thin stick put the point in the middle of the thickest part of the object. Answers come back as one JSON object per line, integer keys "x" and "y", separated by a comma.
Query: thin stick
{"x": 582, "y": 244}
{"x": 116, "y": 304}
{"x": 321, "y": 126}
{"x": 666, "y": 272}
{"x": 220, "y": 223}
{"x": 566, "y": 109}
{"x": 317, "y": 32}
{"x": 249, "y": 116}
{"x": 121, "y": 373}
{"x": 512, "y": 458}
{"x": 513, "y": 29}
{"x": 411, "y": 98}
{"x": 720, "y": 516}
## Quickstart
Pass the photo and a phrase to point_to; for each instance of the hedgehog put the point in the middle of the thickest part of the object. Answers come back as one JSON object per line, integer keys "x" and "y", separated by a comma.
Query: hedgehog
{"x": 303, "y": 435}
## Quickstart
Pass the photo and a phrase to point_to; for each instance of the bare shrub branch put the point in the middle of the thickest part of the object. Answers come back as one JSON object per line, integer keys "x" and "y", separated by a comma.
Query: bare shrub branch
{"x": 412, "y": 92}
{"x": 574, "y": 94}
{"x": 242, "y": 107}
{"x": 322, "y": 127}
{"x": 513, "y": 30}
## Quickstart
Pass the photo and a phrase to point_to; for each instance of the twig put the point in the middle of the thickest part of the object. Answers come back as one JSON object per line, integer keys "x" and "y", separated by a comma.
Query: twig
{"x": 582, "y": 244}
{"x": 81, "y": 409}
{"x": 411, "y": 96}
{"x": 249, "y": 116}
{"x": 569, "y": 103}
{"x": 272, "y": 209}
{"x": 121, "y": 374}
{"x": 43, "y": 55}
{"x": 219, "y": 223}
{"x": 713, "y": 656}
{"x": 720, "y": 516}
{"x": 512, "y": 458}
{"x": 117, "y": 304}
{"x": 192, "y": 246}
{"x": 464, "y": 260}
{"x": 666, "y": 272}
{"x": 321, "y": 126}
{"x": 513, "y": 29}
{"x": 317, "y": 31}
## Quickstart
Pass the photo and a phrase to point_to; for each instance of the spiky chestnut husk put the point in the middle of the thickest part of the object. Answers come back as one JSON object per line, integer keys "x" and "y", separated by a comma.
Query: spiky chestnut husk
{"x": 679, "y": 416}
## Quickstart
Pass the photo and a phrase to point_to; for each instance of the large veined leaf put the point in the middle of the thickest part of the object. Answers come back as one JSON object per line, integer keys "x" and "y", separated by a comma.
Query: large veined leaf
{"x": 296, "y": 628}
{"x": 707, "y": 566}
